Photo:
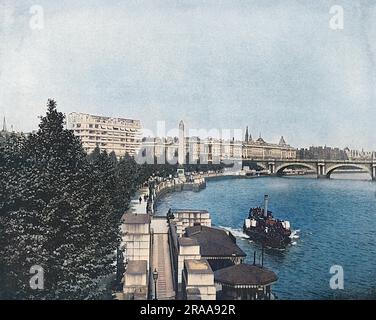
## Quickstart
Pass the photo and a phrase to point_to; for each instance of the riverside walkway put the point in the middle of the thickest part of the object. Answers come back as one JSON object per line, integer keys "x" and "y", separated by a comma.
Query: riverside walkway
{"x": 136, "y": 206}
{"x": 159, "y": 249}
{"x": 161, "y": 259}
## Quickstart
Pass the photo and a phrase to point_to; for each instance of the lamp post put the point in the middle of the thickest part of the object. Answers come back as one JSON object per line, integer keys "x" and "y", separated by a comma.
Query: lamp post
{"x": 155, "y": 278}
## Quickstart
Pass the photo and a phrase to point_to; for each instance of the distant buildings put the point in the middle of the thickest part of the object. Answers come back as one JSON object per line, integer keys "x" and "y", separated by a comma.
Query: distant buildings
{"x": 194, "y": 149}
{"x": 4, "y": 132}
{"x": 260, "y": 149}
{"x": 359, "y": 155}
{"x": 329, "y": 153}
{"x": 123, "y": 136}
{"x": 111, "y": 134}
{"x": 322, "y": 153}
{"x": 4, "y": 129}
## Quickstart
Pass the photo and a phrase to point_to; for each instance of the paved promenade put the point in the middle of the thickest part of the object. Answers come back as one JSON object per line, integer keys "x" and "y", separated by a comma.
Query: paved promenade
{"x": 135, "y": 205}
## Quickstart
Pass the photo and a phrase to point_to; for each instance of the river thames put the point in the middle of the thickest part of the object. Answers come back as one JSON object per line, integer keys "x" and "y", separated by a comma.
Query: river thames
{"x": 335, "y": 223}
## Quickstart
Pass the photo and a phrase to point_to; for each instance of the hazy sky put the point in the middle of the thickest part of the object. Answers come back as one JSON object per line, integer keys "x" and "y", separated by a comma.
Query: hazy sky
{"x": 275, "y": 66}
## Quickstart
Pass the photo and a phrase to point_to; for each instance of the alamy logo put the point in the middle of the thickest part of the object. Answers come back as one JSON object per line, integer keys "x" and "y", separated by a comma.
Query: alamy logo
{"x": 37, "y": 280}
{"x": 37, "y": 17}
{"x": 336, "y": 21}
{"x": 337, "y": 280}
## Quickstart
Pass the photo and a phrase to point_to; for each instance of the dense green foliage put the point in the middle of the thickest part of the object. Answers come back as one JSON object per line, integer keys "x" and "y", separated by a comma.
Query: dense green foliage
{"x": 61, "y": 209}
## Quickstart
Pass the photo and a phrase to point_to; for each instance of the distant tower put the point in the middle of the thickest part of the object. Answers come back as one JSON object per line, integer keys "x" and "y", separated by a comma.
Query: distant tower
{"x": 181, "y": 149}
{"x": 282, "y": 141}
{"x": 246, "y": 135}
{"x": 4, "y": 125}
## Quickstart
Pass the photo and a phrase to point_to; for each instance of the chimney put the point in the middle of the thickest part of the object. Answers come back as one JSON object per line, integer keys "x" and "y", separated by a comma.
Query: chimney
{"x": 266, "y": 200}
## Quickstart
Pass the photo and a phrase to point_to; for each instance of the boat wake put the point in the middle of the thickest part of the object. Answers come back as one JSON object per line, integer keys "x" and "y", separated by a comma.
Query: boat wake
{"x": 238, "y": 233}
{"x": 295, "y": 234}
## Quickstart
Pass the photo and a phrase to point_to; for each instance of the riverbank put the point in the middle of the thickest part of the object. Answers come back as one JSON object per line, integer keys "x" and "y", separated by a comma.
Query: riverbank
{"x": 198, "y": 184}
{"x": 175, "y": 185}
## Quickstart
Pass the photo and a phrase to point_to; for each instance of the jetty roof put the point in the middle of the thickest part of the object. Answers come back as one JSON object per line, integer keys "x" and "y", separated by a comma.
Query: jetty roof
{"x": 245, "y": 275}
{"x": 185, "y": 241}
{"x": 188, "y": 210}
{"x": 214, "y": 242}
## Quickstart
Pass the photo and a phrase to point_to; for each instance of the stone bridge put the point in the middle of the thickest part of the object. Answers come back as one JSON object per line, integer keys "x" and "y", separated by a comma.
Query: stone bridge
{"x": 322, "y": 168}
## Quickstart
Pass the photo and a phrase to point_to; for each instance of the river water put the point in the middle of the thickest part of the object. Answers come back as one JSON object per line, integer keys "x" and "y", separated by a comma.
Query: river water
{"x": 335, "y": 221}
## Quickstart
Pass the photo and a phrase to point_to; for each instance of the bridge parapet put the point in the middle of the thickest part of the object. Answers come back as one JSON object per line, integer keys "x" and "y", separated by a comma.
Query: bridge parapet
{"x": 323, "y": 168}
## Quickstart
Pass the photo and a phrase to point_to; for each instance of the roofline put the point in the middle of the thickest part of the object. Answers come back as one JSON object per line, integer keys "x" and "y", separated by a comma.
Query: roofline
{"x": 100, "y": 116}
{"x": 240, "y": 286}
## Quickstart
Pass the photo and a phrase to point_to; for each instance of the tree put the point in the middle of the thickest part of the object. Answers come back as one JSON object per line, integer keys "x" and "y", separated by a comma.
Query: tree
{"x": 127, "y": 176}
{"x": 113, "y": 158}
{"x": 11, "y": 163}
{"x": 58, "y": 212}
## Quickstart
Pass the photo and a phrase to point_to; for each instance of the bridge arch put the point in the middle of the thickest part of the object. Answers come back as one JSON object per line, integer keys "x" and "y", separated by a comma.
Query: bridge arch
{"x": 279, "y": 169}
{"x": 331, "y": 169}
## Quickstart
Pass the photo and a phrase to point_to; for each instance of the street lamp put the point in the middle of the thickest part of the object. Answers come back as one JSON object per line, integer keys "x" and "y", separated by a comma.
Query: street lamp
{"x": 155, "y": 277}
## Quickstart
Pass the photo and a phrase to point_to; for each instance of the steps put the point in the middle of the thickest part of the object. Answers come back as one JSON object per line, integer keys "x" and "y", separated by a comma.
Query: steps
{"x": 161, "y": 262}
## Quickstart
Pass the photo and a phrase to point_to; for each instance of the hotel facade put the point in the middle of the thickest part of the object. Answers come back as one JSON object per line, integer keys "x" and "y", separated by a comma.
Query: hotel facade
{"x": 116, "y": 135}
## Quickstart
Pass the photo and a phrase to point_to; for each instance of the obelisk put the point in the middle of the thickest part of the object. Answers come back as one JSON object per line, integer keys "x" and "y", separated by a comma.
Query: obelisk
{"x": 181, "y": 148}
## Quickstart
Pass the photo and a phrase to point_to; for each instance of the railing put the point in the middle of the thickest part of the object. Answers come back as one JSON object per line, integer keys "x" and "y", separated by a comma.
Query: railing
{"x": 315, "y": 160}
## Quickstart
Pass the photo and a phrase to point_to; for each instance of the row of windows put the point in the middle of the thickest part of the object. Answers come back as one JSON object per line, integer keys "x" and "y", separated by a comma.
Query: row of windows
{"x": 97, "y": 126}
{"x": 109, "y": 140}
{"x": 104, "y": 144}
{"x": 105, "y": 133}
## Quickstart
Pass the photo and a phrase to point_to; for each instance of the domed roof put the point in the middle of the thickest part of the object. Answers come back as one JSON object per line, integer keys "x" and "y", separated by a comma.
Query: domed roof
{"x": 245, "y": 275}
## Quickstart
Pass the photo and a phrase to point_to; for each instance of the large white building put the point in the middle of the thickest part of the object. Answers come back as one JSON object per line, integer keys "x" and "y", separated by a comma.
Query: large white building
{"x": 111, "y": 134}
{"x": 191, "y": 149}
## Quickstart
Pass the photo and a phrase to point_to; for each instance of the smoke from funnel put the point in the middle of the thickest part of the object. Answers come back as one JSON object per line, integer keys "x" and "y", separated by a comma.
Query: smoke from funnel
{"x": 266, "y": 200}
